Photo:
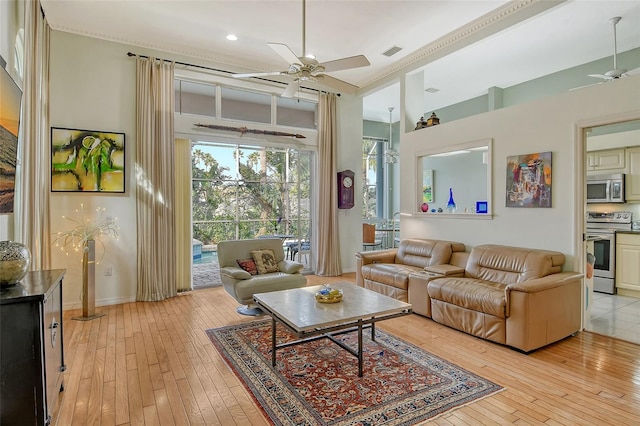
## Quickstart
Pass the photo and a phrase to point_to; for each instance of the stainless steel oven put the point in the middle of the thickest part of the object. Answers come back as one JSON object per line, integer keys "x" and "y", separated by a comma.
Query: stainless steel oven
{"x": 602, "y": 228}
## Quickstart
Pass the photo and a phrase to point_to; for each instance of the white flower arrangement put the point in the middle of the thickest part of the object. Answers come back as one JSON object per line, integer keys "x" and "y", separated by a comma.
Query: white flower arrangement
{"x": 86, "y": 229}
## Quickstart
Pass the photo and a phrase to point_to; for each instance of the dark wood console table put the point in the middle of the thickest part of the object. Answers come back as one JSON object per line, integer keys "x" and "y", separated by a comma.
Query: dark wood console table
{"x": 31, "y": 349}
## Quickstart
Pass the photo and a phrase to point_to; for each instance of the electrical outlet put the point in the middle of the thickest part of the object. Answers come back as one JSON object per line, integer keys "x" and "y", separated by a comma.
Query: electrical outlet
{"x": 108, "y": 271}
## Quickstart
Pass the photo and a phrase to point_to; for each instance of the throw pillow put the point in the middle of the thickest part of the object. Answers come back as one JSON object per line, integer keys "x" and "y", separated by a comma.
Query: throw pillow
{"x": 265, "y": 261}
{"x": 248, "y": 265}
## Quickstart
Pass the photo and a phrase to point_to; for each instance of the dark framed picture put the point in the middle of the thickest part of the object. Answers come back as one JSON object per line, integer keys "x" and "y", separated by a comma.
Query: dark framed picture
{"x": 87, "y": 160}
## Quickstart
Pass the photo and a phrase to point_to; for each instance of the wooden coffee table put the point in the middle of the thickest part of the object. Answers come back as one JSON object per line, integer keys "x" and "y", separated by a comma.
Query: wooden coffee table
{"x": 298, "y": 310}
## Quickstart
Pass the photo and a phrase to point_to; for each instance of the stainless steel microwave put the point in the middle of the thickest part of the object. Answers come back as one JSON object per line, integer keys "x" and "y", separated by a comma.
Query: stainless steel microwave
{"x": 605, "y": 188}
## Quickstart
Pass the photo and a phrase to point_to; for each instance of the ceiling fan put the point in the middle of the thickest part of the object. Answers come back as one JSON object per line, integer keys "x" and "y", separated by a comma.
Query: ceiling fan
{"x": 306, "y": 68}
{"x": 615, "y": 72}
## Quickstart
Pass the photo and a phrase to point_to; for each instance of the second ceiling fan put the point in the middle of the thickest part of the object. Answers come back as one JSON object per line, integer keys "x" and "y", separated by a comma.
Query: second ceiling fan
{"x": 305, "y": 68}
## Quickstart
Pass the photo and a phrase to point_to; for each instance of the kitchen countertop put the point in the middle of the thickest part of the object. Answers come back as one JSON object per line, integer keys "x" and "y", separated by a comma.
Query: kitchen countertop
{"x": 628, "y": 232}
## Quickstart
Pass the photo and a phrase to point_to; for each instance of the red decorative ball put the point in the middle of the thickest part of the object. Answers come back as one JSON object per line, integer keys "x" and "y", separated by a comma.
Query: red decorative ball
{"x": 424, "y": 207}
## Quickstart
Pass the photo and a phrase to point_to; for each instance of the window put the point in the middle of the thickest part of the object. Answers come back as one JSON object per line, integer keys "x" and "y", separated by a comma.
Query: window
{"x": 242, "y": 192}
{"x": 195, "y": 98}
{"x": 373, "y": 178}
{"x": 296, "y": 113}
{"x": 245, "y": 106}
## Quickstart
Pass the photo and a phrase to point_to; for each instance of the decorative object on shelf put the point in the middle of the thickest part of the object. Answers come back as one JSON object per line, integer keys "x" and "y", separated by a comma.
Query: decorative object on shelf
{"x": 529, "y": 180}
{"x": 14, "y": 262}
{"x": 482, "y": 207}
{"x": 433, "y": 120}
{"x": 424, "y": 207}
{"x": 87, "y": 161}
{"x": 451, "y": 205}
{"x": 244, "y": 130}
{"x": 421, "y": 123}
{"x": 329, "y": 295}
{"x": 83, "y": 236}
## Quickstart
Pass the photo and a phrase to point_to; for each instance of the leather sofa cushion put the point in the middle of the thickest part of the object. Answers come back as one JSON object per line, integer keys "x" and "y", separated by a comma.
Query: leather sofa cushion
{"x": 473, "y": 294}
{"x": 392, "y": 274}
{"x": 505, "y": 264}
{"x": 422, "y": 252}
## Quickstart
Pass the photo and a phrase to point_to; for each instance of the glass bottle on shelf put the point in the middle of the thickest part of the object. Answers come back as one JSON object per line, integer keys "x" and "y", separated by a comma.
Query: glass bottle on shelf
{"x": 451, "y": 205}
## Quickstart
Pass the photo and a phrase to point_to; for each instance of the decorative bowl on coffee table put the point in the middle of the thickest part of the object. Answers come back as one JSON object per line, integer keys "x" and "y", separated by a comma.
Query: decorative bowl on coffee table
{"x": 329, "y": 295}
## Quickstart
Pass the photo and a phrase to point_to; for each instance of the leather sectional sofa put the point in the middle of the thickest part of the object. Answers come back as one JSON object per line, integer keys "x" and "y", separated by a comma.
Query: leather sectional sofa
{"x": 390, "y": 271}
{"x": 514, "y": 296}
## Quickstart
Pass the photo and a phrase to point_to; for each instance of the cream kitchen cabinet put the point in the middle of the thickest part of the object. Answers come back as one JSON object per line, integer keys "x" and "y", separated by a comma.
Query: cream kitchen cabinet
{"x": 632, "y": 179}
{"x": 628, "y": 263}
{"x": 606, "y": 160}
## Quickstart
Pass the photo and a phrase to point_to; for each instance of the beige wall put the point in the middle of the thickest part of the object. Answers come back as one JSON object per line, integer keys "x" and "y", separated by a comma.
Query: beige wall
{"x": 93, "y": 87}
{"x": 545, "y": 125}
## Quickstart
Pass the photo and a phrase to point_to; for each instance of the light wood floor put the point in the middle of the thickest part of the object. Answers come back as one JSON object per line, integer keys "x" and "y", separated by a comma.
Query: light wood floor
{"x": 152, "y": 364}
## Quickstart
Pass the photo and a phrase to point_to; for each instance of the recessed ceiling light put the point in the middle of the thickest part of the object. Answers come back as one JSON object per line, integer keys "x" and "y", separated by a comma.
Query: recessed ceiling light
{"x": 432, "y": 90}
{"x": 232, "y": 37}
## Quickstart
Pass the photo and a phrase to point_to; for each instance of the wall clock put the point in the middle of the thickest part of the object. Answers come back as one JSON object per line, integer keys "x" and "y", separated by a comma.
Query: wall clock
{"x": 346, "y": 189}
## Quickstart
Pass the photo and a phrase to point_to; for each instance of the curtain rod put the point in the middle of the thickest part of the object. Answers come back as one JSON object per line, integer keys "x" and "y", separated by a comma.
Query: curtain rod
{"x": 222, "y": 71}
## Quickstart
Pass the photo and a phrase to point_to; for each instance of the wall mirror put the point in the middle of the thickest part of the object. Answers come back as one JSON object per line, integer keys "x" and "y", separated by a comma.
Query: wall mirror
{"x": 459, "y": 175}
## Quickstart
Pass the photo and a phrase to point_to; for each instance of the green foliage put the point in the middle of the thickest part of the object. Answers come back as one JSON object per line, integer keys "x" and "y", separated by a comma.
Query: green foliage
{"x": 247, "y": 202}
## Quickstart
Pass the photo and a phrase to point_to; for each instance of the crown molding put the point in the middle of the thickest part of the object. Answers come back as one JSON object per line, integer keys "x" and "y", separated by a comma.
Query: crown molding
{"x": 491, "y": 23}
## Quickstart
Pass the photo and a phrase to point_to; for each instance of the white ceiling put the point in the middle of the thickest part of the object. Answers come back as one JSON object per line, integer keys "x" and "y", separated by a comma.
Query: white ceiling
{"x": 562, "y": 35}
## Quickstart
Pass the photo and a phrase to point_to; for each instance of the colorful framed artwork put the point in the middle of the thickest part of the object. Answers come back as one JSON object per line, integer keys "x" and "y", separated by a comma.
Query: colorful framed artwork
{"x": 87, "y": 160}
{"x": 10, "y": 101}
{"x": 427, "y": 186}
{"x": 529, "y": 180}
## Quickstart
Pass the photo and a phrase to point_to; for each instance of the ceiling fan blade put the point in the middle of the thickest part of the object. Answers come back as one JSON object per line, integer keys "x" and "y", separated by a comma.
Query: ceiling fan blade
{"x": 602, "y": 76}
{"x": 346, "y": 63}
{"x": 291, "y": 89}
{"x": 258, "y": 74}
{"x": 285, "y": 53}
{"x": 587, "y": 85}
{"x": 335, "y": 84}
{"x": 634, "y": 71}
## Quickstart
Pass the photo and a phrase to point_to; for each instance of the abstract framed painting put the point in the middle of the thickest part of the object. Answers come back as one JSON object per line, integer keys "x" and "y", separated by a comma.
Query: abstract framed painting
{"x": 427, "y": 186}
{"x": 87, "y": 160}
{"x": 529, "y": 180}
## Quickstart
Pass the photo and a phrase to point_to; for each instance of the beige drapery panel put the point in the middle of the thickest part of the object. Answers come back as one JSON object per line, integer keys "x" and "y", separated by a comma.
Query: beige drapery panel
{"x": 183, "y": 214}
{"x": 328, "y": 242}
{"x": 155, "y": 175}
{"x": 31, "y": 208}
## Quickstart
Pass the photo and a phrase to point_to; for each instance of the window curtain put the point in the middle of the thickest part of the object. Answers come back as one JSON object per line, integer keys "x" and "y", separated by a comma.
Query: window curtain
{"x": 31, "y": 213}
{"x": 155, "y": 165}
{"x": 184, "y": 257}
{"x": 328, "y": 263}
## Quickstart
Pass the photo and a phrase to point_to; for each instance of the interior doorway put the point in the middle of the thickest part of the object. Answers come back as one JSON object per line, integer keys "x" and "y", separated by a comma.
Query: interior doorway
{"x": 616, "y": 315}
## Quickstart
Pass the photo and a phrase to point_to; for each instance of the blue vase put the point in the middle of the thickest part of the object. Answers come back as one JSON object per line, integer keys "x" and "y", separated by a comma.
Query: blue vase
{"x": 451, "y": 205}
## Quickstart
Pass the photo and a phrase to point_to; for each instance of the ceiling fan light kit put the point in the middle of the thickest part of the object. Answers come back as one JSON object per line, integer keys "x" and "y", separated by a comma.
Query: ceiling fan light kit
{"x": 306, "y": 68}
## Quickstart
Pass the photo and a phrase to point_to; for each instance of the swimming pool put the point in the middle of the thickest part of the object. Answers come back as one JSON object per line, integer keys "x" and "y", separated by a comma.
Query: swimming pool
{"x": 207, "y": 257}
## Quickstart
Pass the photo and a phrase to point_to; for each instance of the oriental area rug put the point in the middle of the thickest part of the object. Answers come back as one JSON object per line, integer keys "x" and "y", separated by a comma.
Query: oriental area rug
{"x": 317, "y": 383}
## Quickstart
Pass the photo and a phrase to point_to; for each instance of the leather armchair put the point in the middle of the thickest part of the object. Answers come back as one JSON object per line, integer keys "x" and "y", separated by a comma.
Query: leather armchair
{"x": 241, "y": 285}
